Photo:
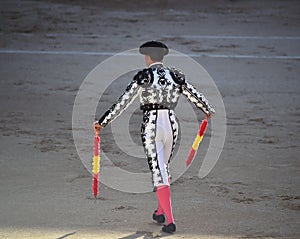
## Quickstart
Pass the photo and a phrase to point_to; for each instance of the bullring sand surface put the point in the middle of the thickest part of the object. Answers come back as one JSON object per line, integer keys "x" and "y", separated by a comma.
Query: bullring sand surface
{"x": 251, "y": 50}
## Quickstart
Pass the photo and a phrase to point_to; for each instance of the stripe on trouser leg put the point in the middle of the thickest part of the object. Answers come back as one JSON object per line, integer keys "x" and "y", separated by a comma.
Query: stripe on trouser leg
{"x": 175, "y": 132}
{"x": 148, "y": 138}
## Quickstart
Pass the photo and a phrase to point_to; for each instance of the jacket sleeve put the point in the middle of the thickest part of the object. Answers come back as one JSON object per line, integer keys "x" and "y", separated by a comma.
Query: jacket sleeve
{"x": 198, "y": 99}
{"x": 122, "y": 103}
{"x": 190, "y": 92}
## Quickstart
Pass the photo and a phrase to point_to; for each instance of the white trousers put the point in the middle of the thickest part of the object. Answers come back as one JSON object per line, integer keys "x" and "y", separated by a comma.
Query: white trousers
{"x": 159, "y": 136}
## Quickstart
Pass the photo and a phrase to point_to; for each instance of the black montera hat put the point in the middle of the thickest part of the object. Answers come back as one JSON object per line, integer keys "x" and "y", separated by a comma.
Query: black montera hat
{"x": 154, "y": 49}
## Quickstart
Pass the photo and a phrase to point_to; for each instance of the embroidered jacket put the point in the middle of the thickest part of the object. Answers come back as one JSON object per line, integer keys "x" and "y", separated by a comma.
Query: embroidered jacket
{"x": 159, "y": 86}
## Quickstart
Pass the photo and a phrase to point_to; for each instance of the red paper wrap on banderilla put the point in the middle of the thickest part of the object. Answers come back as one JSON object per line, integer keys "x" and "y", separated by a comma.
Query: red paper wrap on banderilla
{"x": 96, "y": 165}
{"x": 197, "y": 142}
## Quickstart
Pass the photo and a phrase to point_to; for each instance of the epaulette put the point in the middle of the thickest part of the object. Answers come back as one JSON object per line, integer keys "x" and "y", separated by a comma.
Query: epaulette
{"x": 144, "y": 77}
{"x": 177, "y": 75}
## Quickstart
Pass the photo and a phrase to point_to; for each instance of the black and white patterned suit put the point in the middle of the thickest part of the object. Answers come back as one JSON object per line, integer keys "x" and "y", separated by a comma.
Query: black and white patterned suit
{"x": 158, "y": 88}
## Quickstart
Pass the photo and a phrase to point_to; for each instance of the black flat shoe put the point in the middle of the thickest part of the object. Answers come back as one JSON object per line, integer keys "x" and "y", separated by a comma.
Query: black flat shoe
{"x": 158, "y": 218}
{"x": 171, "y": 228}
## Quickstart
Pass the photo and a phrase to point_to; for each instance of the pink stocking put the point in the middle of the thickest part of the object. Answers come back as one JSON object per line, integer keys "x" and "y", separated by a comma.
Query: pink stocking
{"x": 164, "y": 198}
{"x": 159, "y": 210}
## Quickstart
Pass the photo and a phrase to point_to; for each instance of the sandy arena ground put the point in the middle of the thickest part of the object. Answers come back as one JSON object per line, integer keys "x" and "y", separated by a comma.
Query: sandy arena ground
{"x": 252, "y": 51}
